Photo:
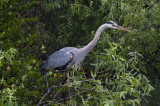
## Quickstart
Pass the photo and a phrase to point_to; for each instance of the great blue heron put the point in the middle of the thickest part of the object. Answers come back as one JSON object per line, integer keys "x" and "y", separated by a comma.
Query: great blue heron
{"x": 66, "y": 57}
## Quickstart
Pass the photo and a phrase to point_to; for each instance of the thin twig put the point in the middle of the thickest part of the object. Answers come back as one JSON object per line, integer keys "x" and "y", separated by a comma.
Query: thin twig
{"x": 48, "y": 91}
{"x": 42, "y": 98}
{"x": 65, "y": 84}
{"x": 44, "y": 95}
{"x": 58, "y": 92}
{"x": 21, "y": 18}
{"x": 67, "y": 97}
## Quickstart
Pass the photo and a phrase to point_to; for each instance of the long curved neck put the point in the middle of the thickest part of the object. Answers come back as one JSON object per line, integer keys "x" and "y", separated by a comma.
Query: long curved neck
{"x": 90, "y": 46}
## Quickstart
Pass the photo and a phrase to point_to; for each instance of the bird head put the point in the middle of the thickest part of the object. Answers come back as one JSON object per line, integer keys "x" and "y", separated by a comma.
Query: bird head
{"x": 112, "y": 24}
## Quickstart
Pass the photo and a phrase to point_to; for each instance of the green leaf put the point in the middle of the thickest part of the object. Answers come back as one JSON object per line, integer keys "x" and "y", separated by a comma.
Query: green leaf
{"x": 137, "y": 101}
{"x": 8, "y": 57}
{"x": 92, "y": 75}
{"x": 133, "y": 103}
{"x": 83, "y": 101}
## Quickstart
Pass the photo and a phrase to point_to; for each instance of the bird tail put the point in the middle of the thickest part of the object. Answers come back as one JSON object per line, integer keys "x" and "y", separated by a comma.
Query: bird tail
{"x": 42, "y": 68}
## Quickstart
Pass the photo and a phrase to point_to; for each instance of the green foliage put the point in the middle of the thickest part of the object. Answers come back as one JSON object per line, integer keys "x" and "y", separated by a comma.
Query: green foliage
{"x": 16, "y": 37}
{"x": 115, "y": 80}
{"x": 121, "y": 70}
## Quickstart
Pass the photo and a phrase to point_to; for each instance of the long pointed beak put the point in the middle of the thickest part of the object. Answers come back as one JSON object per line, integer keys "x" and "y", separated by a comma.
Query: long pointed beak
{"x": 121, "y": 28}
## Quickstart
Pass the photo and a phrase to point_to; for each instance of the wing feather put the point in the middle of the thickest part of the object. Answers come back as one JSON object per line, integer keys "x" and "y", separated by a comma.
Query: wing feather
{"x": 58, "y": 59}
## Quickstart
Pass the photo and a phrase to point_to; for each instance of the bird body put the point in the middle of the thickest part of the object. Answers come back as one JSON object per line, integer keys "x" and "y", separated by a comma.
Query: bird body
{"x": 60, "y": 60}
{"x": 66, "y": 57}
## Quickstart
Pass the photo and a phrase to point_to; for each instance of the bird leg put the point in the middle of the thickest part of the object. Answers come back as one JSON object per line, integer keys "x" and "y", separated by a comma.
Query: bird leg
{"x": 47, "y": 83}
{"x": 68, "y": 83}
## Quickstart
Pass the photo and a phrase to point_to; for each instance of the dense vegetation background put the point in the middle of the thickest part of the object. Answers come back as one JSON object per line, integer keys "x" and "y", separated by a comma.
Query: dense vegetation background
{"x": 123, "y": 68}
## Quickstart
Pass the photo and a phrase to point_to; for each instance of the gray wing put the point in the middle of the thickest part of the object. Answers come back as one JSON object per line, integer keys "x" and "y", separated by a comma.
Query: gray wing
{"x": 58, "y": 59}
